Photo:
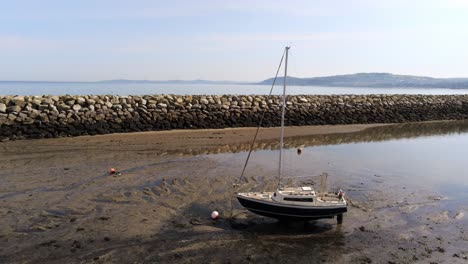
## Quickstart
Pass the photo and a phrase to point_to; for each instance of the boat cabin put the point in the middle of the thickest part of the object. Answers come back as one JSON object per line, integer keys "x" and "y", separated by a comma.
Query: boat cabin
{"x": 295, "y": 195}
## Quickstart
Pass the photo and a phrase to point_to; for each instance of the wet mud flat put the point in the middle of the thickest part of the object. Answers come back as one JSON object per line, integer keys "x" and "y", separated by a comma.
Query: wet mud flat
{"x": 58, "y": 204}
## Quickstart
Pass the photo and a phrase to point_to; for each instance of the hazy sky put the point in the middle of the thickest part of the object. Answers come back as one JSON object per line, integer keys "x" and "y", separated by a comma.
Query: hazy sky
{"x": 90, "y": 40}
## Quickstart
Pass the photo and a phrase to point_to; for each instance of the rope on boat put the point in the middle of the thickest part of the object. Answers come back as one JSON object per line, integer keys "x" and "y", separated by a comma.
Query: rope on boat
{"x": 261, "y": 120}
{"x": 256, "y": 134}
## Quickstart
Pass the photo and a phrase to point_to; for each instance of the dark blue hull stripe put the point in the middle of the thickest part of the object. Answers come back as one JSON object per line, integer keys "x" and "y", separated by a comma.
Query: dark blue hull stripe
{"x": 274, "y": 211}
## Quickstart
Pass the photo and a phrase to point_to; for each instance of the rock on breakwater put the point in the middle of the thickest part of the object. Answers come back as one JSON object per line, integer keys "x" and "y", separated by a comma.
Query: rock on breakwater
{"x": 55, "y": 116}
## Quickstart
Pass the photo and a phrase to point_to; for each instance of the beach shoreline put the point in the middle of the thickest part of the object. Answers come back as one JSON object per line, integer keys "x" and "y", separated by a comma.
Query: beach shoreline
{"x": 60, "y": 204}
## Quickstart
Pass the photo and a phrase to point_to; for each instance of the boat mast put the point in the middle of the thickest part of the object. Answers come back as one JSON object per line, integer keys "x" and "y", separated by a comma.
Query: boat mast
{"x": 283, "y": 109}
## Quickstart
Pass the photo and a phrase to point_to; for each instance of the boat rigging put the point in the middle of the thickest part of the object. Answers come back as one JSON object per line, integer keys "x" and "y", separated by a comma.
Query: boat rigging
{"x": 299, "y": 203}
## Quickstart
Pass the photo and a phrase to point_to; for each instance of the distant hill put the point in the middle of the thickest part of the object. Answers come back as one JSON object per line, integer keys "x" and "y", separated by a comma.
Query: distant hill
{"x": 384, "y": 80}
{"x": 374, "y": 80}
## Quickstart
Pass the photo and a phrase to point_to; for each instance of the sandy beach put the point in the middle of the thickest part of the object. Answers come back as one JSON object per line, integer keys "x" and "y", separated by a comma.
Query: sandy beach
{"x": 58, "y": 203}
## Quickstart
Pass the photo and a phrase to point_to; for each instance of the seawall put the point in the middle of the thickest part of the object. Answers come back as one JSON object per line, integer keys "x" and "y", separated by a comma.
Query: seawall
{"x": 24, "y": 117}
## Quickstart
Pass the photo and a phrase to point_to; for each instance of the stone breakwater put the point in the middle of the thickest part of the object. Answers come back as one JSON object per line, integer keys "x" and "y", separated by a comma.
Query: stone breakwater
{"x": 58, "y": 116}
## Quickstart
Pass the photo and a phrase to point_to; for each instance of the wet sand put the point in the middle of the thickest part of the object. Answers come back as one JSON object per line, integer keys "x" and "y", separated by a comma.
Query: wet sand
{"x": 59, "y": 205}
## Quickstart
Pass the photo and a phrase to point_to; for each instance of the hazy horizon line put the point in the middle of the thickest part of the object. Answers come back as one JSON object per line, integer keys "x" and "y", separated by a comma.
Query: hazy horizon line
{"x": 211, "y": 80}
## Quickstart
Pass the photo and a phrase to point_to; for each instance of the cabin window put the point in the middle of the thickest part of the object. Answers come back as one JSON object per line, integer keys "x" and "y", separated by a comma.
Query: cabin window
{"x": 299, "y": 199}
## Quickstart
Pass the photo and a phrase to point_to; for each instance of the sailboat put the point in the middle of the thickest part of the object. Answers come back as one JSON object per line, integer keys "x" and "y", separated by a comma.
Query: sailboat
{"x": 293, "y": 203}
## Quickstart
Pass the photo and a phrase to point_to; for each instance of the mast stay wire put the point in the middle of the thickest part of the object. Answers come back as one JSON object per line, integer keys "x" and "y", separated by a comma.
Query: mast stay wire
{"x": 289, "y": 156}
{"x": 261, "y": 120}
{"x": 231, "y": 216}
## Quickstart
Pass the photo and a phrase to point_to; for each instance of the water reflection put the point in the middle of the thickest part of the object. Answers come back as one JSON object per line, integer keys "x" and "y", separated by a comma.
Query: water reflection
{"x": 57, "y": 154}
{"x": 428, "y": 157}
{"x": 384, "y": 133}
{"x": 375, "y": 134}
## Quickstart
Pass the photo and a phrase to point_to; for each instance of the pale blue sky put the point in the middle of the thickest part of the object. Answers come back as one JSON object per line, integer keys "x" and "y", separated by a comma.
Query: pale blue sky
{"x": 89, "y": 40}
